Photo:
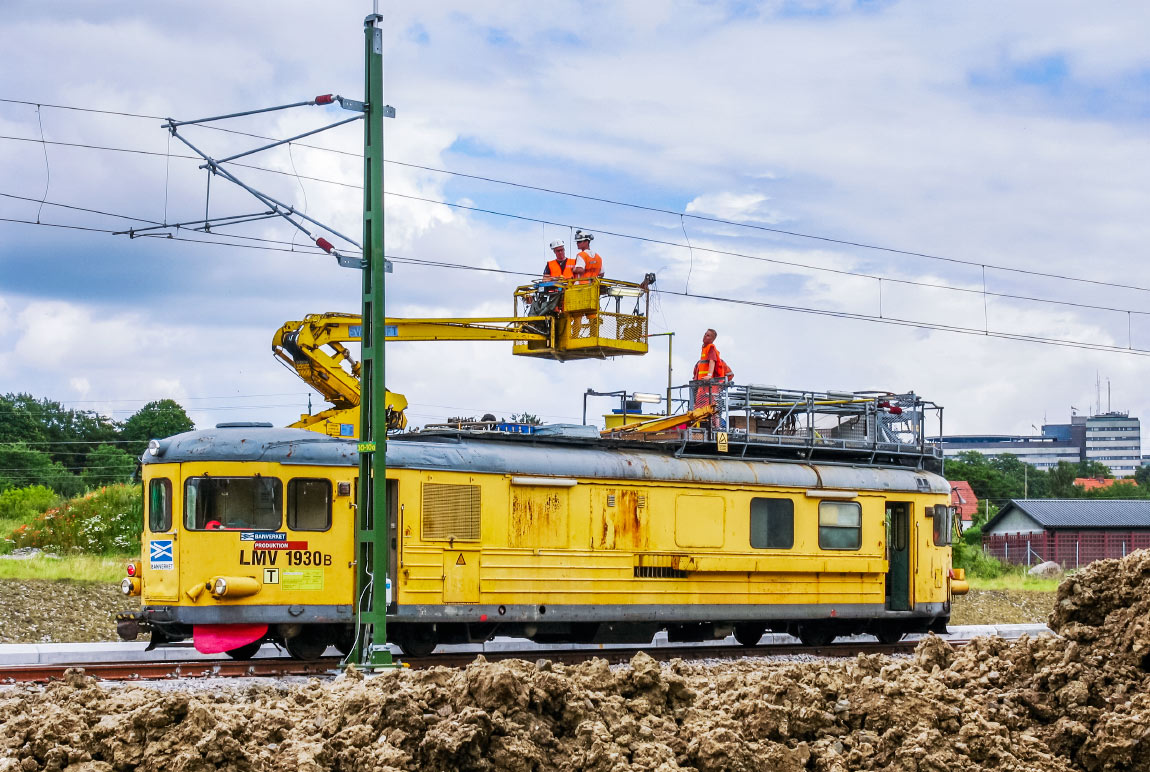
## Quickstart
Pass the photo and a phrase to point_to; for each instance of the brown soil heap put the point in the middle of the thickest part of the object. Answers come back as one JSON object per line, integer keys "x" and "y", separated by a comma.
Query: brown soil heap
{"x": 1077, "y": 702}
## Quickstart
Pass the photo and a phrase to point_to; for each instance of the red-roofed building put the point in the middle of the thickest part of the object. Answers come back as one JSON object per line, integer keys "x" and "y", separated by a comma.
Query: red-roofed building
{"x": 962, "y": 498}
{"x": 1090, "y": 483}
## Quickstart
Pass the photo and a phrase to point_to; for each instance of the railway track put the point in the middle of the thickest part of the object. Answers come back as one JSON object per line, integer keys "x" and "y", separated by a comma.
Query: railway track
{"x": 282, "y": 667}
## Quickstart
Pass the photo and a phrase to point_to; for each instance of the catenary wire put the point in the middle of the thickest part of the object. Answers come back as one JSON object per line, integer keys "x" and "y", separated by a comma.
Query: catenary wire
{"x": 893, "y": 321}
{"x": 729, "y": 253}
{"x": 641, "y": 207}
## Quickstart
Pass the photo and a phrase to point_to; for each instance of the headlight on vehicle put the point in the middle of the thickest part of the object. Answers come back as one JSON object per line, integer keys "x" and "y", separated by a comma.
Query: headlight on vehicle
{"x": 130, "y": 585}
{"x": 234, "y": 586}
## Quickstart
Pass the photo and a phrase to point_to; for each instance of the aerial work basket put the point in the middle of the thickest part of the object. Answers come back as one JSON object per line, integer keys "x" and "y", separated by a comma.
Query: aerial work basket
{"x": 583, "y": 318}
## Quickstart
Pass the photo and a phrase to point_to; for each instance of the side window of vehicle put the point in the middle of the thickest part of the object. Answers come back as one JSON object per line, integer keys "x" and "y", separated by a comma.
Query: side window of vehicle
{"x": 943, "y": 517}
{"x": 309, "y": 505}
{"x": 160, "y": 505}
{"x": 772, "y": 524}
{"x": 840, "y": 525}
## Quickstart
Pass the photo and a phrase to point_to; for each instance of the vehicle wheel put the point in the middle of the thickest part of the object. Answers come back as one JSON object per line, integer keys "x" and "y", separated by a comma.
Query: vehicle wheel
{"x": 245, "y": 652}
{"x": 310, "y": 644}
{"x": 345, "y": 639}
{"x": 888, "y": 635}
{"x": 418, "y": 642}
{"x": 749, "y": 635}
{"x": 815, "y": 635}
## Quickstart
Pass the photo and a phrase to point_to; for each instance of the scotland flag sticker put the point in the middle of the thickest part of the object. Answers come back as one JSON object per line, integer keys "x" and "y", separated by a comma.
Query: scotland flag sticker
{"x": 162, "y": 556}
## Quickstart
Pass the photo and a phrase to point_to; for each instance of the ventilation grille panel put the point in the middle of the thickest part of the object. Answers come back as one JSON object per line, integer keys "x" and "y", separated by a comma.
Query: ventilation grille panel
{"x": 451, "y": 512}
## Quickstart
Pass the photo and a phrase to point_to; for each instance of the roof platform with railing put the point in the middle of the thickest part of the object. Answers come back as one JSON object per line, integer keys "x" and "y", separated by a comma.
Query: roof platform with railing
{"x": 758, "y": 422}
{"x": 752, "y": 421}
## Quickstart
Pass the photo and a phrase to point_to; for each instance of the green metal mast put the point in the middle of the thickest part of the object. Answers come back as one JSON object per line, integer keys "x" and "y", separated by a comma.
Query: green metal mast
{"x": 371, "y": 546}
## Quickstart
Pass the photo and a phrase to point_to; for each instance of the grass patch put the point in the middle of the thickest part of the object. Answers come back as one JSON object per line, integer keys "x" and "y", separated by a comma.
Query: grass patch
{"x": 1013, "y": 581}
{"x": 7, "y": 526}
{"x": 78, "y": 568}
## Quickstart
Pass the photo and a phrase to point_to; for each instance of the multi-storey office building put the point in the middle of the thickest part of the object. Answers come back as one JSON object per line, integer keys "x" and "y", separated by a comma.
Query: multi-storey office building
{"x": 1113, "y": 439}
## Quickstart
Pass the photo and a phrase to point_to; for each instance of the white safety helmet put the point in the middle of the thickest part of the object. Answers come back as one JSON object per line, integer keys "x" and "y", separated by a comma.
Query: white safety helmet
{"x": 557, "y": 244}
{"x": 582, "y": 235}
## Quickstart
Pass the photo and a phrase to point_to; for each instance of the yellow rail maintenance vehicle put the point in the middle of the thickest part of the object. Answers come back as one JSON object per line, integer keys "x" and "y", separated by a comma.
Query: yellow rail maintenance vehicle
{"x": 815, "y": 514}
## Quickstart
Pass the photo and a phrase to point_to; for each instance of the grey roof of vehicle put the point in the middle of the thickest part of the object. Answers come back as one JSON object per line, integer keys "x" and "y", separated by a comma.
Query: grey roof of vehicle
{"x": 540, "y": 457}
{"x": 1080, "y": 513}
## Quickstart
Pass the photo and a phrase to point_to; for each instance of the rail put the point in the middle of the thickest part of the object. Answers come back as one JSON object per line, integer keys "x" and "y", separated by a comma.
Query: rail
{"x": 279, "y": 667}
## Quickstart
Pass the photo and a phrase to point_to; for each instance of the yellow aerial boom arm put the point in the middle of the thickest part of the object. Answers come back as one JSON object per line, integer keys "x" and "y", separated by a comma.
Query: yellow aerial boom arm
{"x": 580, "y": 324}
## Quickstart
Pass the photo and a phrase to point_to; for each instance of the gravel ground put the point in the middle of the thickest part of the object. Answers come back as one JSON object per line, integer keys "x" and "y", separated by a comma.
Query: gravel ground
{"x": 44, "y": 611}
{"x": 1001, "y": 607}
{"x": 41, "y": 611}
{"x": 1080, "y": 701}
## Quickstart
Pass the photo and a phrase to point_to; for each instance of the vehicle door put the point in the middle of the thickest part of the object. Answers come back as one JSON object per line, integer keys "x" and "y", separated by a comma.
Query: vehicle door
{"x": 898, "y": 546}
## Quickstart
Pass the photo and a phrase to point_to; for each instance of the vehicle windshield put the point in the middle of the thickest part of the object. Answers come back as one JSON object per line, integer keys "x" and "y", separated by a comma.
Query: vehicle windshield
{"x": 233, "y": 503}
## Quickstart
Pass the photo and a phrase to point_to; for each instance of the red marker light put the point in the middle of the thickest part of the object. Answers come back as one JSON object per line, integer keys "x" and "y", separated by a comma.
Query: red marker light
{"x": 324, "y": 244}
{"x": 131, "y": 569}
{"x": 482, "y": 617}
{"x": 324, "y": 99}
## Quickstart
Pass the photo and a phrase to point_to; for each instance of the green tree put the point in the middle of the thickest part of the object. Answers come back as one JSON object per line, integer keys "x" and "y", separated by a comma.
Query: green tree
{"x": 22, "y": 504}
{"x": 106, "y": 465}
{"x": 1094, "y": 469}
{"x": 23, "y": 466}
{"x": 1142, "y": 476}
{"x": 1062, "y": 480}
{"x": 155, "y": 420}
{"x": 64, "y": 434}
{"x": 986, "y": 479}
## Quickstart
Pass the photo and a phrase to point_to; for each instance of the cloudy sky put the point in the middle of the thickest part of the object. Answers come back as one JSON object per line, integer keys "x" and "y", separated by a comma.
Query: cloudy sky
{"x": 1009, "y": 139}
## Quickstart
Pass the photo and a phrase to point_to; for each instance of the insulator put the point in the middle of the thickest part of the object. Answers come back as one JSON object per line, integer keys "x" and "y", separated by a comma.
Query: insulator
{"x": 324, "y": 244}
{"x": 325, "y": 99}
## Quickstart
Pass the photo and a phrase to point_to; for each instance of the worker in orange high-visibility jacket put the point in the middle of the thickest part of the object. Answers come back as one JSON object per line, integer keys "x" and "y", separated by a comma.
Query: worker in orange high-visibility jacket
{"x": 713, "y": 374}
{"x": 559, "y": 267}
{"x": 558, "y": 271}
{"x": 588, "y": 265}
{"x": 588, "y": 262}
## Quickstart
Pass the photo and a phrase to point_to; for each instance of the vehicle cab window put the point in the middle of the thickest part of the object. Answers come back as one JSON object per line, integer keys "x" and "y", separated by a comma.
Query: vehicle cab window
{"x": 233, "y": 503}
{"x": 309, "y": 505}
{"x": 160, "y": 505}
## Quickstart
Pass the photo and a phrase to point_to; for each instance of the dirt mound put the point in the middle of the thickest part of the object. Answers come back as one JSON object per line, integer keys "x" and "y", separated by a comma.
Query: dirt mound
{"x": 1106, "y": 606}
{"x": 1081, "y": 702}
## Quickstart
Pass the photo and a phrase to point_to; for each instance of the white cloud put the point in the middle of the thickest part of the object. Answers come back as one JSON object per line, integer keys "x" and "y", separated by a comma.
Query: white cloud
{"x": 865, "y": 127}
{"x": 743, "y": 207}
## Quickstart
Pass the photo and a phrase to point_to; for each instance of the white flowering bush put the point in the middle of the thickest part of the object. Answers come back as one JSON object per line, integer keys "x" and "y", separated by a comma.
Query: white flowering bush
{"x": 108, "y": 520}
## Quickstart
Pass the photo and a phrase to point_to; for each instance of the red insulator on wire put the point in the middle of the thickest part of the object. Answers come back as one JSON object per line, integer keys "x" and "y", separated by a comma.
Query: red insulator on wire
{"x": 325, "y": 99}
{"x": 324, "y": 244}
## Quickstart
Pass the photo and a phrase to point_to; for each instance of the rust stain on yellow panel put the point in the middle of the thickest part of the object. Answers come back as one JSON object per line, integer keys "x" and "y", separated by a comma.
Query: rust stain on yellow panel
{"x": 619, "y": 522}
{"x": 538, "y": 518}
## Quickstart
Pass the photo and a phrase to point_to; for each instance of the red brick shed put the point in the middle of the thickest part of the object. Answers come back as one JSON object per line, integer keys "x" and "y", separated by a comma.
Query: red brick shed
{"x": 1072, "y": 532}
